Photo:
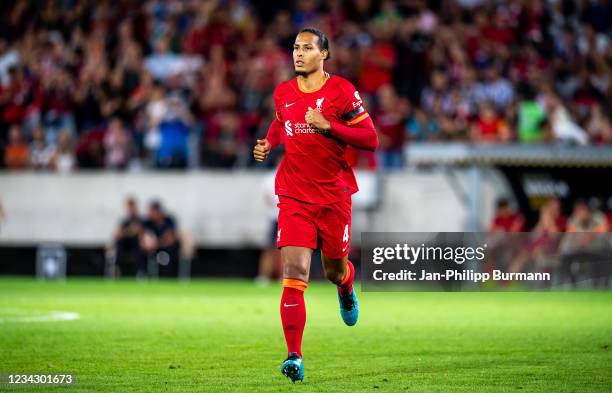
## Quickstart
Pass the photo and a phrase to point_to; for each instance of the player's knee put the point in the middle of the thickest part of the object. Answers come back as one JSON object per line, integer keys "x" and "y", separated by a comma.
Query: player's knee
{"x": 295, "y": 269}
{"x": 296, "y": 262}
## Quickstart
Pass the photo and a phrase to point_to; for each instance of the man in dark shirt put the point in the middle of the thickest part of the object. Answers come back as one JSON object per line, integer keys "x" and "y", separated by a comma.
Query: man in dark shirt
{"x": 161, "y": 240}
{"x": 129, "y": 254}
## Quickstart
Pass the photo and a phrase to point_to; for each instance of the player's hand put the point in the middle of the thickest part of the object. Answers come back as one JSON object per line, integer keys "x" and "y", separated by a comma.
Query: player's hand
{"x": 317, "y": 120}
{"x": 261, "y": 150}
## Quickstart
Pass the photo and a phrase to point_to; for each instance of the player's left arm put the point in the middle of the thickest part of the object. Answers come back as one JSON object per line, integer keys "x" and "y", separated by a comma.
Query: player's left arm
{"x": 361, "y": 135}
{"x": 356, "y": 130}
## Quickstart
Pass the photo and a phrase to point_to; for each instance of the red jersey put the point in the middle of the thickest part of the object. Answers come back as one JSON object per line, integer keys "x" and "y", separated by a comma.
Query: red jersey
{"x": 314, "y": 168}
{"x": 513, "y": 222}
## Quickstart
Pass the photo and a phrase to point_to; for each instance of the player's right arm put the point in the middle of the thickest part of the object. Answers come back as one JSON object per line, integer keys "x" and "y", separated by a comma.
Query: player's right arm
{"x": 273, "y": 138}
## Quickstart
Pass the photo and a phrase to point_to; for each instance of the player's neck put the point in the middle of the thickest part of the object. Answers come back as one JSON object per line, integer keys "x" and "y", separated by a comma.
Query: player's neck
{"x": 312, "y": 81}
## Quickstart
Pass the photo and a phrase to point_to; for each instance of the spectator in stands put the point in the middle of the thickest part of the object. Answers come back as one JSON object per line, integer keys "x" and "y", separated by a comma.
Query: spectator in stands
{"x": 223, "y": 140}
{"x": 128, "y": 251}
{"x": 17, "y": 153}
{"x": 586, "y": 219}
{"x": 585, "y": 248}
{"x": 488, "y": 126}
{"x": 437, "y": 97}
{"x": 421, "y": 128}
{"x": 153, "y": 114}
{"x": 530, "y": 116}
{"x": 551, "y": 218}
{"x": 15, "y": 96}
{"x": 164, "y": 64}
{"x": 540, "y": 246}
{"x": 506, "y": 218}
{"x": 390, "y": 121}
{"x": 379, "y": 57}
{"x": 174, "y": 130}
{"x": 599, "y": 126}
{"x": 468, "y": 104}
{"x": 161, "y": 241}
{"x": 117, "y": 145}
{"x": 495, "y": 88}
{"x": 452, "y": 129}
{"x": 58, "y": 92}
{"x": 41, "y": 152}
{"x": 565, "y": 129}
{"x": 90, "y": 149}
{"x": 9, "y": 58}
{"x": 64, "y": 161}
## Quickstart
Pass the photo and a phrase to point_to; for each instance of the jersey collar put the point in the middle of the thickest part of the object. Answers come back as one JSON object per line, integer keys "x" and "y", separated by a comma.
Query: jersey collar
{"x": 327, "y": 76}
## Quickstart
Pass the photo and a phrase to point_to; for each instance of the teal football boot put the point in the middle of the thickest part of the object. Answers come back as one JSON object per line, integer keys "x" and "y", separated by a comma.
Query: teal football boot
{"x": 293, "y": 367}
{"x": 349, "y": 308}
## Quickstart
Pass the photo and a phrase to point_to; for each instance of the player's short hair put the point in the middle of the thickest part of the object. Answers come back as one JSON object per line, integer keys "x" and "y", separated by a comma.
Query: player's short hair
{"x": 323, "y": 41}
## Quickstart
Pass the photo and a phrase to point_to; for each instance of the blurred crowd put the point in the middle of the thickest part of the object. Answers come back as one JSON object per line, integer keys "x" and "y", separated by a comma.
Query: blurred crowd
{"x": 129, "y": 84}
{"x": 592, "y": 215}
{"x": 578, "y": 244}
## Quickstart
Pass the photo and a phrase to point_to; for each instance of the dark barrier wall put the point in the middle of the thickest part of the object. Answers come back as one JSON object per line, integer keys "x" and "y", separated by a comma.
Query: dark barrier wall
{"x": 90, "y": 262}
{"x": 533, "y": 186}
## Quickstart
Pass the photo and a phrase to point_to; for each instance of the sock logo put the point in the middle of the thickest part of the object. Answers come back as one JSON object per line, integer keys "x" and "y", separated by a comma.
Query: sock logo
{"x": 290, "y": 305}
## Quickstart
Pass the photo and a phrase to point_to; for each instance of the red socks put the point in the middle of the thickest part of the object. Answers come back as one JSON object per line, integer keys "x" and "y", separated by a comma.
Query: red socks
{"x": 346, "y": 286}
{"x": 293, "y": 308}
{"x": 293, "y": 314}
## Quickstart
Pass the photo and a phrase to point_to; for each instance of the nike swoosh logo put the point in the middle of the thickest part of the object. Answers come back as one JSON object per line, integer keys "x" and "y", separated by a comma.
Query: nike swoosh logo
{"x": 344, "y": 248}
{"x": 288, "y": 105}
{"x": 290, "y": 305}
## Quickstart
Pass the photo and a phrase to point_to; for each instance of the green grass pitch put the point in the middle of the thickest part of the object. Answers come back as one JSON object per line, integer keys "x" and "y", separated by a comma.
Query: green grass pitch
{"x": 218, "y": 336}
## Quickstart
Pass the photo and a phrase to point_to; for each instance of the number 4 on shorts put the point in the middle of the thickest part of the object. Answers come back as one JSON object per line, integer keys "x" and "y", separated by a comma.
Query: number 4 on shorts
{"x": 345, "y": 237}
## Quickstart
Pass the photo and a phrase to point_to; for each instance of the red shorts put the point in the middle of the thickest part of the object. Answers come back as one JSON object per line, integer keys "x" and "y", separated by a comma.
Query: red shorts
{"x": 314, "y": 226}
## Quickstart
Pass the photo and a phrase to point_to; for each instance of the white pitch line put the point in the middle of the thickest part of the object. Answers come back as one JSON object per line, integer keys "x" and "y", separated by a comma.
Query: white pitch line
{"x": 53, "y": 316}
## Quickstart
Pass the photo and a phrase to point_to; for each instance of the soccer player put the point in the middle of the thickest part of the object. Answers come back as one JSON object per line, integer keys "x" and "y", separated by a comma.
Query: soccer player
{"x": 317, "y": 116}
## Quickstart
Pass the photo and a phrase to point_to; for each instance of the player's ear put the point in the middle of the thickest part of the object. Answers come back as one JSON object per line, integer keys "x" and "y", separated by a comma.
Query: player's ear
{"x": 325, "y": 54}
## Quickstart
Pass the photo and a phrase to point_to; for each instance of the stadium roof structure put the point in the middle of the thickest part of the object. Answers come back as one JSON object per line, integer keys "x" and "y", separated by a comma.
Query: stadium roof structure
{"x": 509, "y": 155}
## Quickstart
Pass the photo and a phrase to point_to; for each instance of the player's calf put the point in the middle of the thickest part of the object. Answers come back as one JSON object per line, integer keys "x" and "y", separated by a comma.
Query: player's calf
{"x": 349, "y": 305}
{"x": 334, "y": 275}
{"x": 340, "y": 272}
{"x": 293, "y": 313}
